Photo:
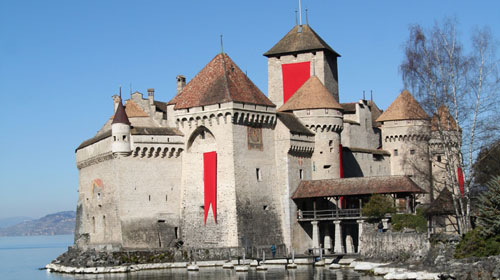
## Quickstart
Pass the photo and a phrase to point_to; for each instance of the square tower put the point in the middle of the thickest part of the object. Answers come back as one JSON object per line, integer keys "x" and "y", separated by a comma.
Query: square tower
{"x": 296, "y": 57}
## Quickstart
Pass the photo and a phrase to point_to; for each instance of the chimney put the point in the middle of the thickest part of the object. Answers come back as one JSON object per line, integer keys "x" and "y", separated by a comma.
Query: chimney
{"x": 151, "y": 95}
{"x": 116, "y": 100}
{"x": 181, "y": 83}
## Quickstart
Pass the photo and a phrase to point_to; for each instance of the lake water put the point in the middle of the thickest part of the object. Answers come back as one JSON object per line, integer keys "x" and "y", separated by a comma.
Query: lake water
{"x": 21, "y": 258}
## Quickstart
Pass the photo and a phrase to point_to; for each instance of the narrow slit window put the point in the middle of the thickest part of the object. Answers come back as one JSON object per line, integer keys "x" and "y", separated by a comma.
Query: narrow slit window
{"x": 258, "y": 173}
{"x": 395, "y": 152}
{"x": 301, "y": 174}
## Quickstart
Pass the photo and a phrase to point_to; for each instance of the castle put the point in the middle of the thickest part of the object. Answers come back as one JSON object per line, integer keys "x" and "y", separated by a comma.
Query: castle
{"x": 222, "y": 165}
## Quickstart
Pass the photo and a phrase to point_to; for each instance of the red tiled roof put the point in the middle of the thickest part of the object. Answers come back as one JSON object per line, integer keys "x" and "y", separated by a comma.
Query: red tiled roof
{"x": 311, "y": 95}
{"x": 446, "y": 120}
{"x": 404, "y": 107}
{"x": 356, "y": 186}
{"x": 220, "y": 81}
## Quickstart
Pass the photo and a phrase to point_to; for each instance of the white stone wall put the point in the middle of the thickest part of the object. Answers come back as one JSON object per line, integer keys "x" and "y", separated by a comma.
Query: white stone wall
{"x": 408, "y": 143}
{"x": 99, "y": 219}
{"x": 358, "y": 130}
{"x": 327, "y": 125}
{"x": 149, "y": 195}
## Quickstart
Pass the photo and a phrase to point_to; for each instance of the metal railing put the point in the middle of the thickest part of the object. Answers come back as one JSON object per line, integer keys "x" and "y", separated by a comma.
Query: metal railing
{"x": 328, "y": 214}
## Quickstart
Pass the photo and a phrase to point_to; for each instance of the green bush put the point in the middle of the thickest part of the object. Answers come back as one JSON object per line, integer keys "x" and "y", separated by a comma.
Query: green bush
{"x": 474, "y": 244}
{"x": 489, "y": 209}
{"x": 417, "y": 222}
{"x": 378, "y": 206}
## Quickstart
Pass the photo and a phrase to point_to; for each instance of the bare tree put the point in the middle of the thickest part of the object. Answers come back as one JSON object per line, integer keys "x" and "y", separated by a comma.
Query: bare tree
{"x": 441, "y": 75}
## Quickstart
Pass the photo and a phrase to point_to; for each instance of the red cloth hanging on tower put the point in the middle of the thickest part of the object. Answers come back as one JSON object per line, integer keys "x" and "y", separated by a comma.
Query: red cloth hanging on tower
{"x": 460, "y": 178}
{"x": 210, "y": 182}
{"x": 294, "y": 76}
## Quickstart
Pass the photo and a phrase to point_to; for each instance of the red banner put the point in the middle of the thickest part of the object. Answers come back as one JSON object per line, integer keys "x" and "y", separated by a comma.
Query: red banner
{"x": 210, "y": 181}
{"x": 341, "y": 163}
{"x": 342, "y": 201}
{"x": 460, "y": 178}
{"x": 294, "y": 76}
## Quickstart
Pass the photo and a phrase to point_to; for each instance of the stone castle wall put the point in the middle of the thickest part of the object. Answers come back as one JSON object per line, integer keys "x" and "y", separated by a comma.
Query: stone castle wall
{"x": 394, "y": 246}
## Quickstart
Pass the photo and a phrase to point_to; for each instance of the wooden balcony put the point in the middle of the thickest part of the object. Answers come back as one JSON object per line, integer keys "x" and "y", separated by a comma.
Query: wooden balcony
{"x": 329, "y": 215}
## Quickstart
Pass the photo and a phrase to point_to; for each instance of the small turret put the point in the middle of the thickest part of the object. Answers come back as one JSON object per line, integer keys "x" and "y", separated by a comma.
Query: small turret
{"x": 405, "y": 134}
{"x": 317, "y": 108}
{"x": 120, "y": 131}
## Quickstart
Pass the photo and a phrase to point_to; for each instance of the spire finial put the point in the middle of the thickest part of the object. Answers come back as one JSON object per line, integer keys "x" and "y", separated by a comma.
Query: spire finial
{"x": 307, "y": 18}
{"x": 300, "y": 12}
{"x": 296, "y": 19}
{"x": 120, "y": 93}
{"x": 221, "y": 45}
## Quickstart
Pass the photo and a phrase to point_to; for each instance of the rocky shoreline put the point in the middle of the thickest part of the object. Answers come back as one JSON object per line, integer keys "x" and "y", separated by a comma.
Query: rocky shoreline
{"x": 438, "y": 263}
{"x": 439, "y": 259}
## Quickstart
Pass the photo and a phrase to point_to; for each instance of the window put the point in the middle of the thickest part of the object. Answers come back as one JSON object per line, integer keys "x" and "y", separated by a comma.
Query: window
{"x": 438, "y": 158}
{"x": 326, "y": 111}
{"x": 301, "y": 174}
{"x": 149, "y": 197}
{"x": 412, "y": 152}
{"x": 166, "y": 197}
{"x": 124, "y": 137}
{"x": 308, "y": 112}
{"x": 395, "y": 152}
{"x": 264, "y": 207}
{"x": 378, "y": 157}
{"x": 258, "y": 174}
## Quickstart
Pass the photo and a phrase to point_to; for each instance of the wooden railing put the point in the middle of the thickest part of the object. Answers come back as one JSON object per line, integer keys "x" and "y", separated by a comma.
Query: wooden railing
{"x": 328, "y": 214}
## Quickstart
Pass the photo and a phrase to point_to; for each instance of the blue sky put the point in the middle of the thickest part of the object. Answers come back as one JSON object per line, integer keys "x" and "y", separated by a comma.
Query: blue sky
{"x": 61, "y": 61}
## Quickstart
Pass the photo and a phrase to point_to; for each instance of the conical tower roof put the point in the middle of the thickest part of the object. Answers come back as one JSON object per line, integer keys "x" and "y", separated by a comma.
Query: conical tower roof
{"x": 311, "y": 95}
{"x": 220, "y": 81}
{"x": 443, "y": 117}
{"x": 120, "y": 115}
{"x": 405, "y": 107}
{"x": 301, "y": 38}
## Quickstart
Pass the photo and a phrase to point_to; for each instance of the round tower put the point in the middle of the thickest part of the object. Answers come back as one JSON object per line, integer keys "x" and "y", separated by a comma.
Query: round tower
{"x": 405, "y": 134}
{"x": 120, "y": 131}
{"x": 317, "y": 108}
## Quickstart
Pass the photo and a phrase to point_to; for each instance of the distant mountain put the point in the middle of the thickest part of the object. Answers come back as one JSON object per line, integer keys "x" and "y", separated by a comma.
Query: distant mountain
{"x": 52, "y": 224}
{"x": 7, "y": 222}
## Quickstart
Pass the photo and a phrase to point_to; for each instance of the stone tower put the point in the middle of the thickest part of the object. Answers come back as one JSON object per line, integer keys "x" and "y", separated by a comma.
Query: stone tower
{"x": 444, "y": 148}
{"x": 227, "y": 169}
{"x": 120, "y": 130}
{"x": 296, "y": 57}
{"x": 405, "y": 134}
{"x": 316, "y": 107}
